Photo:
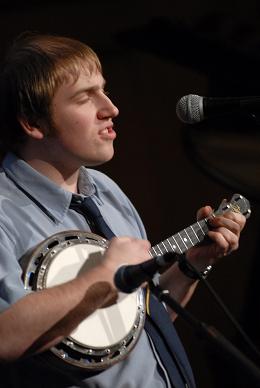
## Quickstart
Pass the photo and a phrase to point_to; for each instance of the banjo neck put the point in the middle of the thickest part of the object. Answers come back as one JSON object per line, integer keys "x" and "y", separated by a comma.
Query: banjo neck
{"x": 192, "y": 235}
{"x": 182, "y": 241}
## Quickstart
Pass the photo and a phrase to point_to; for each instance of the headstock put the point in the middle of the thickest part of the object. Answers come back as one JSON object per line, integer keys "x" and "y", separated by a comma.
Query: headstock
{"x": 237, "y": 204}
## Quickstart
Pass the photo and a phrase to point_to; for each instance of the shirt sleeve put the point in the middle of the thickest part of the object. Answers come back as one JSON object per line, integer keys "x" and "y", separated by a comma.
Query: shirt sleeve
{"x": 11, "y": 284}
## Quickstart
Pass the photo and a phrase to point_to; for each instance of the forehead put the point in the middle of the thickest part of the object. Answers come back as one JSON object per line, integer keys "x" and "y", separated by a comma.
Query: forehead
{"x": 83, "y": 79}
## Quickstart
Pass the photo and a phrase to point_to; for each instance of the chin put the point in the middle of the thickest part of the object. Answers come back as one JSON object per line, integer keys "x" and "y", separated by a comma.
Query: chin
{"x": 99, "y": 161}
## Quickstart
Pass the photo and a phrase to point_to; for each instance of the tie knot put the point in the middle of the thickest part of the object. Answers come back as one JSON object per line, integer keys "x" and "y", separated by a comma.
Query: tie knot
{"x": 91, "y": 212}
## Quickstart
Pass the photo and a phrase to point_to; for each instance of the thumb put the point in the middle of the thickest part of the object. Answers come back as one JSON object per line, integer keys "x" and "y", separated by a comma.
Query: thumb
{"x": 204, "y": 212}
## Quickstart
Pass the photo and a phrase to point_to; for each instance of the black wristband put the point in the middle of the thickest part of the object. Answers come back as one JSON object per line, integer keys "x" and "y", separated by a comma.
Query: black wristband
{"x": 188, "y": 270}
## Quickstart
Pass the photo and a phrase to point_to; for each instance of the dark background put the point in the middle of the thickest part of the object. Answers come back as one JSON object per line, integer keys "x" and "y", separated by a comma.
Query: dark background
{"x": 154, "y": 52}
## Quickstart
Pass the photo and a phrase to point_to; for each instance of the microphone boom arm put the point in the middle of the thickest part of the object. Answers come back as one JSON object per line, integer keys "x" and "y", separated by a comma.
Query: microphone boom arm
{"x": 211, "y": 334}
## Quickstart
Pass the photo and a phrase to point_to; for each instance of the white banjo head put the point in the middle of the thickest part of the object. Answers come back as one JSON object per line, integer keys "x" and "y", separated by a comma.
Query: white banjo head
{"x": 106, "y": 336}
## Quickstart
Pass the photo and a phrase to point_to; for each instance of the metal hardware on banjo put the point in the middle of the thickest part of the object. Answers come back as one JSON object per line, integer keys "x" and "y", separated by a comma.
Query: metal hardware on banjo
{"x": 109, "y": 334}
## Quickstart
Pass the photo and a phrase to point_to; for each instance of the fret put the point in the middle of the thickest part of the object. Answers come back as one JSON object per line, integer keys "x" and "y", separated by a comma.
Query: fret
{"x": 178, "y": 250}
{"x": 159, "y": 248}
{"x": 172, "y": 246}
{"x": 153, "y": 252}
{"x": 184, "y": 240}
{"x": 194, "y": 233}
{"x": 187, "y": 234}
{"x": 204, "y": 225}
{"x": 165, "y": 247}
{"x": 168, "y": 245}
{"x": 179, "y": 242}
{"x": 202, "y": 230}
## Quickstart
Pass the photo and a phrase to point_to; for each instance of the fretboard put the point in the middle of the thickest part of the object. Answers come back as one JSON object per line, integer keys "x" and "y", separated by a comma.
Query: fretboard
{"x": 192, "y": 235}
{"x": 182, "y": 241}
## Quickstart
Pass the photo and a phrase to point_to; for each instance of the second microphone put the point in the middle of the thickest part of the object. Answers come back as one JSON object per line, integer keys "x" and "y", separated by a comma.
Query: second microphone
{"x": 129, "y": 277}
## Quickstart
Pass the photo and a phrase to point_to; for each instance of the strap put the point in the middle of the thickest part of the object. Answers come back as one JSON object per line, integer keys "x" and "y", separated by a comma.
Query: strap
{"x": 168, "y": 345}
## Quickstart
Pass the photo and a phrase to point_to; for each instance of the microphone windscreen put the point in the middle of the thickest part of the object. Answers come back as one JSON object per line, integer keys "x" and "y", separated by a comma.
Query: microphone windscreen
{"x": 189, "y": 109}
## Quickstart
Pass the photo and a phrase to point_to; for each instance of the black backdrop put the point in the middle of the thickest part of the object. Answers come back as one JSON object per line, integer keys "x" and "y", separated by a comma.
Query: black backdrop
{"x": 153, "y": 53}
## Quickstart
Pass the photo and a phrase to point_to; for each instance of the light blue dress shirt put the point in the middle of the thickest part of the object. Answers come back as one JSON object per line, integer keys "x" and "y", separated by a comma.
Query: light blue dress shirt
{"x": 32, "y": 208}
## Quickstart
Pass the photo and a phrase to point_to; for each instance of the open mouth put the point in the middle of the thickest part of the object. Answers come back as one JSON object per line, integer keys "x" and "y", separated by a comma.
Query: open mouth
{"x": 108, "y": 132}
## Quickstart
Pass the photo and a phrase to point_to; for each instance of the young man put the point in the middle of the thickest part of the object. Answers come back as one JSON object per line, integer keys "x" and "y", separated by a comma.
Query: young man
{"x": 57, "y": 118}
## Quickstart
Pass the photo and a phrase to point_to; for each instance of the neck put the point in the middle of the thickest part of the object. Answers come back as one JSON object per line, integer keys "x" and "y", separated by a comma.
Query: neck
{"x": 57, "y": 171}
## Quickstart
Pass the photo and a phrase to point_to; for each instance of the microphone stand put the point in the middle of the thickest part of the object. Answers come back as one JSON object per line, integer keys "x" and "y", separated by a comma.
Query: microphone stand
{"x": 210, "y": 333}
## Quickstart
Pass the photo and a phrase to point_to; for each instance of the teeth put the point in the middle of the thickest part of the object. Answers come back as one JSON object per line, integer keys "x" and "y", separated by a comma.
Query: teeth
{"x": 104, "y": 131}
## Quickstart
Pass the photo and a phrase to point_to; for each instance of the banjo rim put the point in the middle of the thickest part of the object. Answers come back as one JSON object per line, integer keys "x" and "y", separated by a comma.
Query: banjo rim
{"x": 36, "y": 265}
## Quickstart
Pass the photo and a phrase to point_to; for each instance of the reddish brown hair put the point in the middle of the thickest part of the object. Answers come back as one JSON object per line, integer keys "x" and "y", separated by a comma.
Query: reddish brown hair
{"x": 35, "y": 66}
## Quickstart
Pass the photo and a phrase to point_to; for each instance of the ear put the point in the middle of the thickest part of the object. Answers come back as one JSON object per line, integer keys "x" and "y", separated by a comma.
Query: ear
{"x": 31, "y": 129}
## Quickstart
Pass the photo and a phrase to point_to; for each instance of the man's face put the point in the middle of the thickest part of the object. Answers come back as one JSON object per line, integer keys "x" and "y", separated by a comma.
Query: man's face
{"x": 82, "y": 118}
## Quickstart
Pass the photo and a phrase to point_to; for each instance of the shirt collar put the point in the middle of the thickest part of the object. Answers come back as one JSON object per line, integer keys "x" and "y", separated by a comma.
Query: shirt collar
{"x": 50, "y": 197}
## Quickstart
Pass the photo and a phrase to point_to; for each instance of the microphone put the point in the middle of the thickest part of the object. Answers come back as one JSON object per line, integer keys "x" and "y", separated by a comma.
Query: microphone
{"x": 129, "y": 277}
{"x": 192, "y": 109}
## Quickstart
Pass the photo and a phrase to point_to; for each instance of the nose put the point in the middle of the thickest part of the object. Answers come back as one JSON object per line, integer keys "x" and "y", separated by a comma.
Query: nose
{"x": 107, "y": 109}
